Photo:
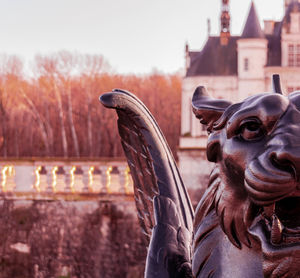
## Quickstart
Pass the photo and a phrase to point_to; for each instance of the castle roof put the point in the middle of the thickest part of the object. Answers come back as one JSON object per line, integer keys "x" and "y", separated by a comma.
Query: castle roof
{"x": 252, "y": 27}
{"x": 216, "y": 59}
{"x": 293, "y": 7}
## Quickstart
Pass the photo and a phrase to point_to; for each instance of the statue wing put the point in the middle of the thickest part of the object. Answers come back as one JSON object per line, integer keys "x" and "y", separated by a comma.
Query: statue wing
{"x": 164, "y": 208}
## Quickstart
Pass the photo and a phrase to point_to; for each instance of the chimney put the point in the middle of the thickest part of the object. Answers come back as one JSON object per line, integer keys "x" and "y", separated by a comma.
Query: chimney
{"x": 225, "y": 23}
{"x": 187, "y": 57}
{"x": 208, "y": 27}
{"x": 269, "y": 27}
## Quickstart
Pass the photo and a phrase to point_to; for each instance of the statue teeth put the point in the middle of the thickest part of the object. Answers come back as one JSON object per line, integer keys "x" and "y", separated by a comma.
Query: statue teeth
{"x": 276, "y": 230}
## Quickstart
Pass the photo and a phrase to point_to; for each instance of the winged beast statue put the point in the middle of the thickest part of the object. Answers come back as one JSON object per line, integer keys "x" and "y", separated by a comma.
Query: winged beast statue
{"x": 247, "y": 224}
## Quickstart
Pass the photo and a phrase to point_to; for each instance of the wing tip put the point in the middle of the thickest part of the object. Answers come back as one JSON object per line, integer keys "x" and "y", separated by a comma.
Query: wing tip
{"x": 106, "y": 99}
{"x": 110, "y": 99}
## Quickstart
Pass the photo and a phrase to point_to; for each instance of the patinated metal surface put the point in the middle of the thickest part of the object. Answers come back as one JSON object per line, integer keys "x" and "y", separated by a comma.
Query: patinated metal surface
{"x": 247, "y": 224}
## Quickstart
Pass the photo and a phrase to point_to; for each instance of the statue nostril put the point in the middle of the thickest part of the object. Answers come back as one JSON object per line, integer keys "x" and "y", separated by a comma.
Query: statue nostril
{"x": 283, "y": 164}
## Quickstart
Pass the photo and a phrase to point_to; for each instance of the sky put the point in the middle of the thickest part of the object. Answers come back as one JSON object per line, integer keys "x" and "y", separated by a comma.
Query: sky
{"x": 134, "y": 36}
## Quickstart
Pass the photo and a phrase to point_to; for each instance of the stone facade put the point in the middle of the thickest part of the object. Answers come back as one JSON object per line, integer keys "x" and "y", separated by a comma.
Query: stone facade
{"x": 97, "y": 238}
{"x": 69, "y": 218}
{"x": 235, "y": 67}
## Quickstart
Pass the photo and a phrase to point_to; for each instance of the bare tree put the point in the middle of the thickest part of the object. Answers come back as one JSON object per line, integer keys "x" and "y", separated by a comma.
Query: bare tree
{"x": 48, "y": 66}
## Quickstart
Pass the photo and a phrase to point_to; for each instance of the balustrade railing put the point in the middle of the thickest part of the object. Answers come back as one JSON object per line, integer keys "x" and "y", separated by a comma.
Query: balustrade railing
{"x": 54, "y": 176}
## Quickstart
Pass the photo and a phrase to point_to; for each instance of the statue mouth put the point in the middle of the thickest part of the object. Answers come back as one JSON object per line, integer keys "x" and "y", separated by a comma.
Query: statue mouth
{"x": 276, "y": 191}
{"x": 282, "y": 221}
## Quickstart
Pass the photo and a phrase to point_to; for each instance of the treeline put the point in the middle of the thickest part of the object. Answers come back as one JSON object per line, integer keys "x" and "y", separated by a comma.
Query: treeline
{"x": 56, "y": 112}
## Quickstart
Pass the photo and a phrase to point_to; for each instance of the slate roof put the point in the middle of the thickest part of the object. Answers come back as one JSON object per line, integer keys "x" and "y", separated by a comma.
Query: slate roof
{"x": 252, "y": 27}
{"x": 216, "y": 59}
{"x": 293, "y": 7}
{"x": 274, "y": 50}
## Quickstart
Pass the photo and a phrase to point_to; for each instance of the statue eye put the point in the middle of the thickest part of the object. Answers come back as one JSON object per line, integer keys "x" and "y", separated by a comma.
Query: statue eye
{"x": 251, "y": 129}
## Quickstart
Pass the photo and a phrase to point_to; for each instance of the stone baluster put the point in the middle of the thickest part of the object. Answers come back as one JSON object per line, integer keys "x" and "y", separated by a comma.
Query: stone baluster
{"x": 122, "y": 179}
{"x": 26, "y": 178}
{"x": 8, "y": 183}
{"x": 37, "y": 179}
{"x": 104, "y": 180}
{"x": 1, "y": 178}
{"x": 96, "y": 185}
{"x": 50, "y": 179}
{"x": 68, "y": 182}
{"x": 85, "y": 178}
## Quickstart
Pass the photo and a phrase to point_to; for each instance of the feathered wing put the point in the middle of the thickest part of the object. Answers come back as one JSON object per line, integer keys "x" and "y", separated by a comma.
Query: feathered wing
{"x": 163, "y": 205}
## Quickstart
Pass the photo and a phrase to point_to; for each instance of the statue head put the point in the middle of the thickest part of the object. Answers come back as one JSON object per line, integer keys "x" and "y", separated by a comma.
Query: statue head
{"x": 255, "y": 188}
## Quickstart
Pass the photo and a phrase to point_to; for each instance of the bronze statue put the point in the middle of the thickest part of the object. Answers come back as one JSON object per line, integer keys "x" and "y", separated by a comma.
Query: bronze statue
{"x": 247, "y": 224}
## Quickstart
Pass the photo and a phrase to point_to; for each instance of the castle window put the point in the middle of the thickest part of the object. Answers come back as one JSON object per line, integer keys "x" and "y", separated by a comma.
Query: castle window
{"x": 294, "y": 55}
{"x": 246, "y": 64}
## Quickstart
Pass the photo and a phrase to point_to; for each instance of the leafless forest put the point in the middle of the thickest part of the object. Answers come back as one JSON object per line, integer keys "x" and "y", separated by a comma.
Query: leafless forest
{"x": 56, "y": 113}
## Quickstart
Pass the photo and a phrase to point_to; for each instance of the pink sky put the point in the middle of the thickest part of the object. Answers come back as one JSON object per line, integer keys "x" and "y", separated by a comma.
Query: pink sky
{"x": 135, "y": 36}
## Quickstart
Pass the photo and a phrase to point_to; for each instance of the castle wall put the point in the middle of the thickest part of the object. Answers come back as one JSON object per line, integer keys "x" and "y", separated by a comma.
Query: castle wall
{"x": 193, "y": 164}
{"x": 255, "y": 50}
{"x": 252, "y": 52}
{"x": 249, "y": 87}
{"x": 95, "y": 239}
{"x": 217, "y": 86}
{"x": 289, "y": 77}
{"x": 195, "y": 170}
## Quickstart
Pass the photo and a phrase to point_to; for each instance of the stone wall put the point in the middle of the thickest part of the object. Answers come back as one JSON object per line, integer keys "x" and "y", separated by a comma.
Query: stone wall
{"x": 195, "y": 171}
{"x": 83, "y": 238}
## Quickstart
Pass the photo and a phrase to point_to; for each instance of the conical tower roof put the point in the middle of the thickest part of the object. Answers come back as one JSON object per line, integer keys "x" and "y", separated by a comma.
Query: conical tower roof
{"x": 252, "y": 27}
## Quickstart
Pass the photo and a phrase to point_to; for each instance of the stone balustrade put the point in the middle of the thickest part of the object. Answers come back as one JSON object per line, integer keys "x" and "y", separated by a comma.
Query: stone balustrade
{"x": 46, "y": 177}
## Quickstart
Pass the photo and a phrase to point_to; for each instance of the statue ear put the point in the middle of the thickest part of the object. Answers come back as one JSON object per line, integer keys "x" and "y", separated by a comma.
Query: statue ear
{"x": 276, "y": 85}
{"x": 207, "y": 109}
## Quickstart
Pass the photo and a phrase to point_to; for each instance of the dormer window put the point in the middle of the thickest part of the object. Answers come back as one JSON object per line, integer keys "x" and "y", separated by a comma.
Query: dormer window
{"x": 246, "y": 64}
{"x": 294, "y": 55}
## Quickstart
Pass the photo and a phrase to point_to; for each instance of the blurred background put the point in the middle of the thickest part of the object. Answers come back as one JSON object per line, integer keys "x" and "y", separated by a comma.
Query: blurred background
{"x": 67, "y": 203}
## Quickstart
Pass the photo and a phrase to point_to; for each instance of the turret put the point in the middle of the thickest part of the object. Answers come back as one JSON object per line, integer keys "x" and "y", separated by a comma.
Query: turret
{"x": 252, "y": 55}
